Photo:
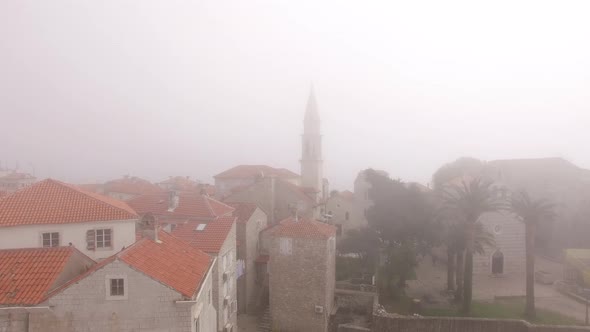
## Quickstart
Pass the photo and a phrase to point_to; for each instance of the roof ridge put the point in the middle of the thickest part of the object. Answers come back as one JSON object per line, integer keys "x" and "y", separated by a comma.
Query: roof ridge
{"x": 94, "y": 196}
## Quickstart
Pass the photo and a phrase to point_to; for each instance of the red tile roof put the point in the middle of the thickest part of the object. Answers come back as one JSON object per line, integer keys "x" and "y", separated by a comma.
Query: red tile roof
{"x": 54, "y": 202}
{"x": 211, "y": 238}
{"x": 182, "y": 183}
{"x": 189, "y": 205}
{"x": 173, "y": 262}
{"x": 27, "y": 275}
{"x": 252, "y": 171}
{"x": 243, "y": 211}
{"x": 347, "y": 194}
{"x": 303, "y": 228}
{"x": 170, "y": 261}
{"x": 131, "y": 185}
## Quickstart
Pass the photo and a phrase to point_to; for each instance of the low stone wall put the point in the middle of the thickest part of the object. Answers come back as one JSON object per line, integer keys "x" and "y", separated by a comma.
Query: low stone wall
{"x": 385, "y": 322}
{"x": 355, "y": 301}
{"x": 352, "y": 328}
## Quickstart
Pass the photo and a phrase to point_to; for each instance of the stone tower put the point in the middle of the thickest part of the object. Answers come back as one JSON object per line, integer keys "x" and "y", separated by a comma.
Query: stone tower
{"x": 302, "y": 274}
{"x": 311, "y": 149}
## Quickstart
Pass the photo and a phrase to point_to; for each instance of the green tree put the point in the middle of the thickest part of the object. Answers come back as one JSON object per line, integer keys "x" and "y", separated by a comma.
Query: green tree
{"x": 470, "y": 201}
{"x": 403, "y": 219}
{"x": 364, "y": 243}
{"x": 531, "y": 213}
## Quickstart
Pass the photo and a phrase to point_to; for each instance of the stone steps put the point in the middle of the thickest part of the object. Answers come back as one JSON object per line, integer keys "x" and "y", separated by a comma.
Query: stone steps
{"x": 265, "y": 321}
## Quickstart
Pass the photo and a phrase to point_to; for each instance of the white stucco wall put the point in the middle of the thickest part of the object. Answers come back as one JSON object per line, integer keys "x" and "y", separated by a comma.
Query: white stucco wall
{"x": 509, "y": 236}
{"x": 29, "y": 236}
{"x": 148, "y": 306}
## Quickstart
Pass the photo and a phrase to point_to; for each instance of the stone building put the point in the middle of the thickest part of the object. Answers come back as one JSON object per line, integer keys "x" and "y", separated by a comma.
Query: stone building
{"x": 343, "y": 211}
{"x": 250, "y": 221}
{"x": 302, "y": 274}
{"x": 128, "y": 187}
{"x": 242, "y": 176}
{"x": 280, "y": 192}
{"x": 12, "y": 181}
{"x": 52, "y": 214}
{"x": 507, "y": 256}
{"x": 218, "y": 239}
{"x": 278, "y": 198}
{"x": 159, "y": 284}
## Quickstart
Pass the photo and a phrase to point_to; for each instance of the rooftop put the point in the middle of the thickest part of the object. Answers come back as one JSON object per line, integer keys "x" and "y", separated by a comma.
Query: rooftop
{"x": 55, "y": 202}
{"x": 243, "y": 211}
{"x": 131, "y": 185}
{"x": 190, "y": 205}
{"x": 252, "y": 171}
{"x": 211, "y": 236}
{"x": 28, "y": 275}
{"x": 303, "y": 228}
{"x": 169, "y": 261}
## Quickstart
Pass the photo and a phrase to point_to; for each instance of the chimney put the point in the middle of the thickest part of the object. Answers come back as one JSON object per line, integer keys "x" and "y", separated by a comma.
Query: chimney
{"x": 172, "y": 201}
{"x": 150, "y": 227}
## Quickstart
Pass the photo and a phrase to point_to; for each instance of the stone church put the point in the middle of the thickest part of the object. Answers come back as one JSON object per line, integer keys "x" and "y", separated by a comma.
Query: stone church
{"x": 278, "y": 191}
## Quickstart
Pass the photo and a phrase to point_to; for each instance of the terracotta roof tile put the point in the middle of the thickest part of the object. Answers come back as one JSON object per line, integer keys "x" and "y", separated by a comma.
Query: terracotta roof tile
{"x": 303, "y": 228}
{"x": 173, "y": 262}
{"x": 251, "y": 171}
{"x": 243, "y": 211}
{"x": 131, "y": 185}
{"x": 211, "y": 238}
{"x": 170, "y": 261}
{"x": 54, "y": 202}
{"x": 189, "y": 205}
{"x": 27, "y": 275}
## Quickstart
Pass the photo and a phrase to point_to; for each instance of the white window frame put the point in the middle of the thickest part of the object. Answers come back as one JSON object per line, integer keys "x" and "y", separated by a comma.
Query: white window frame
{"x": 50, "y": 239}
{"x": 286, "y": 246}
{"x": 96, "y": 243}
{"x": 108, "y": 279}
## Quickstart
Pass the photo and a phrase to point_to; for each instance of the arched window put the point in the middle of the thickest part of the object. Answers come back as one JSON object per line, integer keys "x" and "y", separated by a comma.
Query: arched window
{"x": 497, "y": 262}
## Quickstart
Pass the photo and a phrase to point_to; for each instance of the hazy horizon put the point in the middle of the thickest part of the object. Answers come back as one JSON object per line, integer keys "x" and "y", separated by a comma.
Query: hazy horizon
{"x": 90, "y": 91}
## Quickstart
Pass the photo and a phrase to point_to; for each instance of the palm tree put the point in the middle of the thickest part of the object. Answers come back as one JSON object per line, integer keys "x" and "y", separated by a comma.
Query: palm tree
{"x": 531, "y": 213}
{"x": 471, "y": 200}
{"x": 456, "y": 248}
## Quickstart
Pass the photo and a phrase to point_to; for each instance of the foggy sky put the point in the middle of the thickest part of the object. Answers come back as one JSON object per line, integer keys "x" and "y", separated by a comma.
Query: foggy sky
{"x": 92, "y": 90}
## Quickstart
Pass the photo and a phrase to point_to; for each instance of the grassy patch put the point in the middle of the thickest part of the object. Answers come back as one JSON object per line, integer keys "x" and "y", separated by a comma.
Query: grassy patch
{"x": 505, "y": 309}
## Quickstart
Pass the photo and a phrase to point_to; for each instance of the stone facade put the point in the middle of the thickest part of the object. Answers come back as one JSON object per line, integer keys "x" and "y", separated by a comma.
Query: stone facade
{"x": 248, "y": 250}
{"x": 225, "y": 288}
{"x": 509, "y": 236}
{"x": 278, "y": 198}
{"x": 346, "y": 214}
{"x": 148, "y": 306}
{"x": 302, "y": 280}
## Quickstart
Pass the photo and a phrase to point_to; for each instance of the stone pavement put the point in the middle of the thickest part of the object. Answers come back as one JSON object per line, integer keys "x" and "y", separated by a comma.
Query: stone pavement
{"x": 432, "y": 281}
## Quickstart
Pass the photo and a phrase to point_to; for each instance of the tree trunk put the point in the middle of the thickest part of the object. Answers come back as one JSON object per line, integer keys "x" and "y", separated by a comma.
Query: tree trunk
{"x": 530, "y": 270}
{"x": 460, "y": 271}
{"x": 468, "y": 277}
{"x": 450, "y": 270}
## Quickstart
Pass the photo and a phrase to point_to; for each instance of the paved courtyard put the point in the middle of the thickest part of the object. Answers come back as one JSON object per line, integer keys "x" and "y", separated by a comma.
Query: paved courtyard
{"x": 431, "y": 281}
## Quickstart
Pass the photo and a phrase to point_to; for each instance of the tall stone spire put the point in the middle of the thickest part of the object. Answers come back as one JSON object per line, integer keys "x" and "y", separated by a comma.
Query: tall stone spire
{"x": 311, "y": 149}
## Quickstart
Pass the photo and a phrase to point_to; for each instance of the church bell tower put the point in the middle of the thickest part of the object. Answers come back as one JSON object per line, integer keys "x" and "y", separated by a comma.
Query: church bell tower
{"x": 311, "y": 150}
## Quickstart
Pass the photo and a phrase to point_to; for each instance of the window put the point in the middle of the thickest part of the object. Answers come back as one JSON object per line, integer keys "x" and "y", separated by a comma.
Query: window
{"x": 286, "y": 246}
{"x": 103, "y": 238}
{"x": 209, "y": 296}
{"x": 50, "y": 239}
{"x": 200, "y": 227}
{"x": 347, "y": 215}
{"x": 339, "y": 230}
{"x": 197, "y": 327}
{"x": 117, "y": 287}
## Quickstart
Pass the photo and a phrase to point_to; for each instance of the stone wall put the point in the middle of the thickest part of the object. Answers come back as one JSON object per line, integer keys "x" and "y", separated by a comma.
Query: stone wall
{"x": 219, "y": 285}
{"x": 299, "y": 281}
{"x": 85, "y": 306}
{"x": 384, "y": 322}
